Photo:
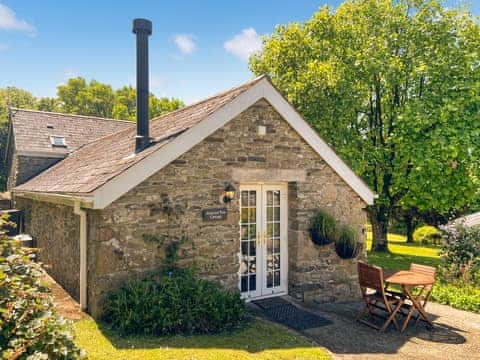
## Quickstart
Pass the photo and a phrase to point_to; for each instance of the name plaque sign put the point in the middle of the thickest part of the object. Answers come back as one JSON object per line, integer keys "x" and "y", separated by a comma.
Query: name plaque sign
{"x": 214, "y": 214}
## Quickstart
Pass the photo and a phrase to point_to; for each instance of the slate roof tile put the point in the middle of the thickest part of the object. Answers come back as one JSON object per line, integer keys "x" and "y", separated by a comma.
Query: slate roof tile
{"x": 32, "y": 134}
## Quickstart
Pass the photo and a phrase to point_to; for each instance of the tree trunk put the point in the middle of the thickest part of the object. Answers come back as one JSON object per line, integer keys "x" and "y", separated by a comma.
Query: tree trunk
{"x": 410, "y": 226}
{"x": 379, "y": 219}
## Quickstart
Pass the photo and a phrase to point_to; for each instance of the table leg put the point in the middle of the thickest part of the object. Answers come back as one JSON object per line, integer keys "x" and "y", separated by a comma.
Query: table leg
{"x": 416, "y": 306}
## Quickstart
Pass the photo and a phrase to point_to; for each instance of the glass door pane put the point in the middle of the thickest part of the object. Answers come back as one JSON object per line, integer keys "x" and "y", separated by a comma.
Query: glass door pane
{"x": 248, "y": 241}
{"x": 272, "y": 238}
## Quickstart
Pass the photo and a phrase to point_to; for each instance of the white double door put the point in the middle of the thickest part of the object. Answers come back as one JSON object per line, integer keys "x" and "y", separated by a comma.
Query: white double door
{"x": 263, "y": 240}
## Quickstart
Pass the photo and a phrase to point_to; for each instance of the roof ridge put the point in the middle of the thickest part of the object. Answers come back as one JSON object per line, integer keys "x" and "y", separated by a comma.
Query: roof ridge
{"x": 250, "y": 82}
{"x": 67, "y": 114}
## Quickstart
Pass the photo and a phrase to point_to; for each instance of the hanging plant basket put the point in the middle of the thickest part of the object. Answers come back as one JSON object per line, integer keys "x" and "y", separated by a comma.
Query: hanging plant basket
{"x": 346, "y": 245}
{"x": 323, "y": 229}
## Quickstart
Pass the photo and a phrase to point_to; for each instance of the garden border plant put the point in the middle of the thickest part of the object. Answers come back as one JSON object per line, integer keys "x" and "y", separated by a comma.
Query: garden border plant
{"x": 30, "y": 327}
{"x": 460, "y": 255}
{"x": 172, "y": 300}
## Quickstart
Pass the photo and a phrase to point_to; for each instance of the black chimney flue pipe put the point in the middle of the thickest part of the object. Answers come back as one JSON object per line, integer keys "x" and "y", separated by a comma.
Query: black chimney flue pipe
{"x": 143, "y": 29}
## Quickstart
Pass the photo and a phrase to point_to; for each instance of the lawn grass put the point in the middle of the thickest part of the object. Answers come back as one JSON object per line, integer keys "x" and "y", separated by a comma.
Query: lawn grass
{"x": 257, "y": 340}
{"x": 402, "y": 254}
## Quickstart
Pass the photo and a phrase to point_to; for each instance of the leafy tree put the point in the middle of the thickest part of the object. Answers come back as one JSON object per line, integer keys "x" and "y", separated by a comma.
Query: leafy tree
{"x": 79, "y": 97}
{"x": 48, "y": 104}
{"x": 394, "y": 87}
{"x": 126, "y": 106}
{"x": 14, "y": 97}
{"x": 125, "y": 103}
{"x": 163, "y": 105}
{"x": 10, "y": 97}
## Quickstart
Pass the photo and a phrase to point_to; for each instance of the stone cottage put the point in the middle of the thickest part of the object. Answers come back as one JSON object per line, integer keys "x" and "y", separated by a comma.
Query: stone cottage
{"x": 37, "y": 139}
{"x": 238, "y": 175}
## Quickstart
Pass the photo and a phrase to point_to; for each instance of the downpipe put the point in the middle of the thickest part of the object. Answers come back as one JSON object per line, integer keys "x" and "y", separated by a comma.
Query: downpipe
{"x": 77, "y": 210}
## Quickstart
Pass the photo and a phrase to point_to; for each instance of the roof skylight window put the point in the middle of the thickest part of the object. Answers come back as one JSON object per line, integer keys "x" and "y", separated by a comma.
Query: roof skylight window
{"x": 58, "y": 141}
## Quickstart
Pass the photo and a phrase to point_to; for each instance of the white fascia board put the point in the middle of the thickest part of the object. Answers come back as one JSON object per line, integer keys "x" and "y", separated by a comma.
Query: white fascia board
{"x": 62, "y": 199}
{"x": 121, "y": 184}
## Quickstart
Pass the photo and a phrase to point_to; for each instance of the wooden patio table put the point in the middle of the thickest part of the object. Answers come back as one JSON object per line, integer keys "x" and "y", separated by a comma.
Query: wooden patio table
{"x": 409, "y": 280}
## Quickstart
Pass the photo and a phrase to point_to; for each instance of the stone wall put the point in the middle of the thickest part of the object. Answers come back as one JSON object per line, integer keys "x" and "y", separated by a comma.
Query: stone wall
{"x": 169, "y": 204}
{"x": 55, "y": 229}
{"x": 30, "y": 166}
{"x": 23, "y": 168}
{"x": 10, "y": 164}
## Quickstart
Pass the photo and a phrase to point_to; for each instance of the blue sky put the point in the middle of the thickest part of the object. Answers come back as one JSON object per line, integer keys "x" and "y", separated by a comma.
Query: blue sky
{"x": 197, "y": 48}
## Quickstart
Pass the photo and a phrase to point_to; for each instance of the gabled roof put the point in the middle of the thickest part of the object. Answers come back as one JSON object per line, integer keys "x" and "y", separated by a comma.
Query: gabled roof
{"x": 32, "y": 130}
{"x": 104, "y": 170}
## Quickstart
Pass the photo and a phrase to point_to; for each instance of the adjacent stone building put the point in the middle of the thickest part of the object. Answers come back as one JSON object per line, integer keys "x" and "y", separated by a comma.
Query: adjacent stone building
{"x": 39, "y": 139}
{"x": 235, "y": 179}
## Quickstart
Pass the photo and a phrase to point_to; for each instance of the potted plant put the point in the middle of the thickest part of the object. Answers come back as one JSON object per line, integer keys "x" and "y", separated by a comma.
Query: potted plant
{"x": 323, "y": 229}
{"x": 346, "y": 244}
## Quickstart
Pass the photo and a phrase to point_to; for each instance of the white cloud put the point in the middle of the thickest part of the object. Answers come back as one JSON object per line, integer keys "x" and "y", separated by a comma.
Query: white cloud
{"x": 244, "y": 44}
{"x": 10, "y": 22}
{"x": 185, "y": 43}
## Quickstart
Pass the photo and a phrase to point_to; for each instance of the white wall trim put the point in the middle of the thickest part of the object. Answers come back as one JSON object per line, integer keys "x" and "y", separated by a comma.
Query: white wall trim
{"x": 116, "y": 187}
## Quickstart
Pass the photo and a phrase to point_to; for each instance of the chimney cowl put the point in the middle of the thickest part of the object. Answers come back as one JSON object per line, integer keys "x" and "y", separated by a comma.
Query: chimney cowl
{"x": 140, "y": 25}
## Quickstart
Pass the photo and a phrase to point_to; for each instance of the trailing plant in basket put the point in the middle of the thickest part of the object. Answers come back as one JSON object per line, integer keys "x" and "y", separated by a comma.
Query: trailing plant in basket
{"x": 346, "y": 245}
{"x": 323, "y": 229}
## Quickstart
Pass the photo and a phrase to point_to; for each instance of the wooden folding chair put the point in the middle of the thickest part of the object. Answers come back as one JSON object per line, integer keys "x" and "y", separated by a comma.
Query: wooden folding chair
{"x": 425, "y": 291}
{"x": 373, "y": 292}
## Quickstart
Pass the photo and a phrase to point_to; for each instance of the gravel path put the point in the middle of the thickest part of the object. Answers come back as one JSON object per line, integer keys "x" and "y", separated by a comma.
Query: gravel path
{"x": 456, "y": 335}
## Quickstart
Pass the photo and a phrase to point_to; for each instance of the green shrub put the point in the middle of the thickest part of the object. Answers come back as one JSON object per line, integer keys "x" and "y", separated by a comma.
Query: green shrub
{"x": 346, "y": 244}
{"x": 461, "y": 255}
{"x": 427, "y": 235}
{"x": 173, "y": 302}
{"x": 324, "y": 228}
{"x": 29, "y": 325}
{"x": 460, "y": 296}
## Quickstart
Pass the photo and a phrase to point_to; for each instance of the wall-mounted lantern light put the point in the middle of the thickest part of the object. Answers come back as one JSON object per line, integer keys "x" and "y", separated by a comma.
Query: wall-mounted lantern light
{"x": 229, "y": 193}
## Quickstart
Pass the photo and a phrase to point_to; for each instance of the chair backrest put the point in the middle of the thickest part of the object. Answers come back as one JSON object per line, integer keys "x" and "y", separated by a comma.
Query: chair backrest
{"x": 423, "y": 269}
{"x": 370, "y": 276}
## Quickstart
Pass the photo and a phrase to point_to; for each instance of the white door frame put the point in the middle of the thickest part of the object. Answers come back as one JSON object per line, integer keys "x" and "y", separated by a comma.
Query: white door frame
{"x": 261, "y": 290}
